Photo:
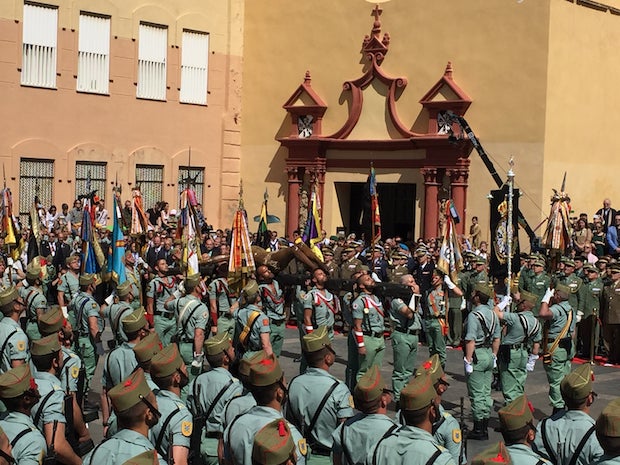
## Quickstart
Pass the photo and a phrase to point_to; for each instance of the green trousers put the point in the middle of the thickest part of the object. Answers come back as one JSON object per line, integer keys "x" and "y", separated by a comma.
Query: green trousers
{"x": 435, "y": 339}
{"x": 165, "y": 328}
{"x": 226, "y": 324}
{"x": 556, "y": 370}
{"x": 479, "y": 384}
{"x": 186, "y": 349}
{"x": 513, "y": 374}
{"x": 375, "y": 350}
{"x": 455, "y": 320}
{"x": 208, "y": 450}
{"x": 277, "y": 337}
{"x": 86, "y": 351}
{"x": 315, "y": 459}
{"x": 405, "y": 348}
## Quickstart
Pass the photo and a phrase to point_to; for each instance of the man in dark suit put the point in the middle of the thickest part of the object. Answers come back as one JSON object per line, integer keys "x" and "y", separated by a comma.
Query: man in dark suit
{"x": 423, "y": 274}
{"x": 155, "y": 252}
{"x": 61, "y": 250}
{"x": 606, "y": 214}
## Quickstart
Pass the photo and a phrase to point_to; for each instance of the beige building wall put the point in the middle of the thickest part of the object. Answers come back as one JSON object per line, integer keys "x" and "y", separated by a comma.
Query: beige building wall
{"x": 66, "y": 126}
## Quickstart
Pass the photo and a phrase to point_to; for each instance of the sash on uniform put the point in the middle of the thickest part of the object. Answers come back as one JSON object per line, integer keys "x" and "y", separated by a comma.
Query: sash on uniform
{"x": 443, "y": 321}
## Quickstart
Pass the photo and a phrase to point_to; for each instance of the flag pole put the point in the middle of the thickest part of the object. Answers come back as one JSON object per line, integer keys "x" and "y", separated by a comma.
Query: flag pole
{"x": 509, "y": 231}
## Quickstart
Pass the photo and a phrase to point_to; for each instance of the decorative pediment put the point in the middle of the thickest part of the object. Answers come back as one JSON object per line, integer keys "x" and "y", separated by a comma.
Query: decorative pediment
{"x": 306, "y": 108}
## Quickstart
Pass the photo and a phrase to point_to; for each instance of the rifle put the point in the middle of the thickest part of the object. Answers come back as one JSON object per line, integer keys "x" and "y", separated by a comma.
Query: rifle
{"x": 196, "y": 437}
{"x": 170, "y": 458}
{"x": 464, "y": 429}
{"x": 593, "y": 334}
{"x": 51, "y": 458}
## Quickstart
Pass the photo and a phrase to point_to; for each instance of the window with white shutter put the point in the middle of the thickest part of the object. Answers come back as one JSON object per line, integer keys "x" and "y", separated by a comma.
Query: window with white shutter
{"x": 194, "y": 67}
{"x": 152, "y": 49}
{"x": 40, "y": 38}
{"x": 94, "y": 54}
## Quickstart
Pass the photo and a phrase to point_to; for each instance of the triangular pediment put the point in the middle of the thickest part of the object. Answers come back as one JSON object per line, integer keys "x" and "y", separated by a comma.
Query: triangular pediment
{"x": 305, "y": 97}
{"x": 446, "y": 92}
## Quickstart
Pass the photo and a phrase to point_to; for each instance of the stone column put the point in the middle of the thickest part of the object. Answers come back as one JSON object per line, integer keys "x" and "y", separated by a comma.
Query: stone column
{"x": 458, "y": 183}
{"x": 431, "y": 214}
{"x": 292, "y": 202}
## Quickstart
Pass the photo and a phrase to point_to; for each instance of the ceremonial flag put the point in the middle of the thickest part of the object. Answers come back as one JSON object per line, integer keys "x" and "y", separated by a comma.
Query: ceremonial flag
{"x": 35, "y": 229}
{"x": 241, "y": 262}
{"x": 498, "y": 261}
{"x": 450, "y": 260}
{"x": 8, "y": 227}
{"x": 139, "y": 221}
{"x": 189, "y": 230}
{"x": 262, "y": 236}
{"x": 375, "y": 217}
{"x": 116, "y": 266}
{"x": 89, "y": 259}
{"x": 311, "y": 235}
{"x": 559, "y": 231}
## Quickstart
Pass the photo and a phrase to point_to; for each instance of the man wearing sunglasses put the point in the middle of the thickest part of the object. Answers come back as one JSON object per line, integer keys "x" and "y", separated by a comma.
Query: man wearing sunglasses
{"x": 19, "y": 394}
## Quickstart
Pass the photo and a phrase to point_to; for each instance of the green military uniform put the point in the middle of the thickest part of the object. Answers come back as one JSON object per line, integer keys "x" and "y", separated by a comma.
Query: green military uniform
{"x": 538, "y": 285}
{"x": 273, "y": 444}
{"x": 332, "y": 268}
{"x": 324, "y": 306}
{"x": 399, "y": 269}
{"x": 349, "y": 267}
{"x": 160, "y": 289}
{"x": 475, "y": 277}
{"x": 559, "y": 358}
{"x": 369, "y": 309}
{"x": 272, "y": 298}
{"x": 482, "y": 328}
{"x": 119, "y": 310}
{"x": 436, "y": 323}
{"x": 574, "y": 283}
{"x": 589, "y": 310}
{"x": 611, "y": 318}
{"x": 352, "y": 355}
{"x": 208, "y": 395}
{"x": 608, "y": 432}
{"x": 513, "y": 417}
{"x": 521, "y": 330}
{"x": 317, "y": 402}
{"x": 14, "y": 343}
{"x": 455, "y": 313}
{"x": 220, "y": 293}
{"x": 28, "y": 443}
{"x": 36, "y": 303}
{"x": 409, "y": 445}
{"x": 558, "y": 437}
{"x": 135, "y": 281}
{"x": 121, "y": 361}
{"x": 70, "y": 285}
{"x": 525, "y": 278}
{"x": 254, "y": 322}
{"x": 405, "y": 337}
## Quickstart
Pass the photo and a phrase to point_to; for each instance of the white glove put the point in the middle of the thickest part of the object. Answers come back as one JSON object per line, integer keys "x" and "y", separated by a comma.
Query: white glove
{"x": 505, "y": 302}
{"x": 9, "y": 261}
{"x": 494, "y": 361}
{"x": 109, "y": 299}
{"x": 413, "y": 303}
{"x": 531, "y": 361}
{"x": 463, "y": 304}
{"x": 579, "y": 316}
{"x": 449, "y": 283}
{"x": 197, "y": 361}
{"x": 65, "y": 313}
{"x": 548, "y": 294}
{"x": 469, "y": 367}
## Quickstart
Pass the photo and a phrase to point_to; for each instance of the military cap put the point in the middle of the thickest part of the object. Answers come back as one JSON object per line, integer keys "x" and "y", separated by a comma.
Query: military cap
{"x": 217, "y": 344}
{"x": 33, "y": 271}
{"x": 418, "y": 393}
{"x": 273, "y": 444}
{"x": 334, "y": 238}
{"x": 370, "y": 386}
{"x": 563, "y": 288}
{"x": 192, "y": 280}
{"x": 315, "y": 340}
{"x": 16, "y": 381}
{"x": 484, "y": 289}
{"x": 246, "y": 363}
{"x": 495, "y": 454}
{"x": 516, "y": 414}
{"x": 608, "y": 422}
{"x": 590, "y": 267}
{"x": 421, "y": 252}
{"x": 432, "y": 366}
{"x": 123, "y": 289}
{"x": 378, "y": 248}
{"x": 361, "y": 268}
{"x": 579, "y": 258}
{"x": 250, "y": 290}
{"x": 528, "y": 297}
{"x": 8, "y": 295}
{"x": 45, "y": 346}
{"x": 166, "y": 362}
{"x": 265, "y": 372}
{"x": 327, "y": 251}
{"x": 145, "y": 458}
{"x": 357, "y": 243}
{"x": 88, "y": 278}
{"x": 469, "y": 254}
{"x": 578, "y": 383}
{"x": 348, "y": 249}
{"x": 71, "y": 258}
{"x": 569, "y": 262}
{"x": 615, "y": 268}
{"x": 135, "y": 321}
{"x": 479, "y": 260}
{"x": 400, "y": 256}
{"x": 539, "y": 262}
{"x": 148, "y": 347}
{"x": 603, "y": 260}
{"x": 130, "y": 391}
{"x": 51, "y": 321}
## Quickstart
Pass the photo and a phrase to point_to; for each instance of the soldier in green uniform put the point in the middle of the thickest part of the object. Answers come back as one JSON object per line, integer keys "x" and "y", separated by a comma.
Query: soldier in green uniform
{"x": 355, "y": 439}
{"x": 559, "y": 328}
{"x": 580, "y": 261}
{"x": 347, "y": 316}
{"x": 320, "y": 305}
{"x": 119, "y": 310}
{"x": 18, "y": 392}
{"x": 89, "y": 325}
{"x": 399, "y": 269}
{"x": 273, "y": 445}
{"x": 193, "y": 323}
{"x": 69, "y": 285}
{"x": 493, "y": 455}
{"x": 611, "y": 315}
{"x": 539, "y": 282}
{"x": 478, "y": 275}
{"x": 406, "y": 327}
{"x": 49, "y": 412}
{"x": 172, "y": 433}
{"x": 136, "y": 409}
{"x": 317, "y": 401}
{"x": 135, "y": 280}
{"x": 526, "y": 273}
{"x": 589, "y": 311}
{"x": 269, "y": 389}
{"x": 222, "y": 303}
{"x": 567, "y": 436}
{"x": 481, "y": 346}
{"x": 34, "y": 298}
{"x": 608, "y": 433}
{"x": 14, "y": 349}
{"x": 252, "y": 325}
{"x": 145, "y": 350}
{"x": 413, "y": 443}
{"x": 516, "y": 424}
{"x": 158, "y": 291}
{"x": 349, "y": 264}
{"x": 571, "y": 280}
{"x": 522, "y": 332}
{"x": 210, "y": 392}
{"x": 330, "y": 264}
{"x": 272, "y": 299}
{"x": 244, "y": 402}
{"x": 368, "y": 325}
{"x": 456, "y": 306}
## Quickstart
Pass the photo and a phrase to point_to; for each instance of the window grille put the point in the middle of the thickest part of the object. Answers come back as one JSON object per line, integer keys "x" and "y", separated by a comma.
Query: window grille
{"x": 36, "y": 178}
{"x": 197, "y": 181}
{"x": 93, "y": 173}
{"x": 150, "y": 180}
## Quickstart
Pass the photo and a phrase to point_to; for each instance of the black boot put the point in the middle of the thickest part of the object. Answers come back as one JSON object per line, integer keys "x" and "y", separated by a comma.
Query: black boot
{"x": 480, "y": 432}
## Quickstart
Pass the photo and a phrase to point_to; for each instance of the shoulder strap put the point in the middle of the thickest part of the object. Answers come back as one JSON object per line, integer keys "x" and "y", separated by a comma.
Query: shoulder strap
{"x": 20, "y": 435}
{"x": 485, "y": 328}
{"x": 6, "y": 341}
{"x": 247, "y": 329}
{"x": 191, "y": 313}
{"x": 162, "y": 431}
{"x": 545, "y": 438}
{"x": 319, "y": 409}
{"x": 217, "y": 398}
{"x": 37, "y": 417}
{"x": 92, "y": 455}
{"x": 581, "y": 445}
{"x": 433, "y": 457}
{"x": 438, "y": 424}
{"x": 386, "y": 435}
{"x": 80, "y": 314}
{"x": 117, "y": 320}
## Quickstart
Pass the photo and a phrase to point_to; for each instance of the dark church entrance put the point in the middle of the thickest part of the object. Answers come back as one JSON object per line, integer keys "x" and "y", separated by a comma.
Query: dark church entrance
{"x": 396, "y": 205}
